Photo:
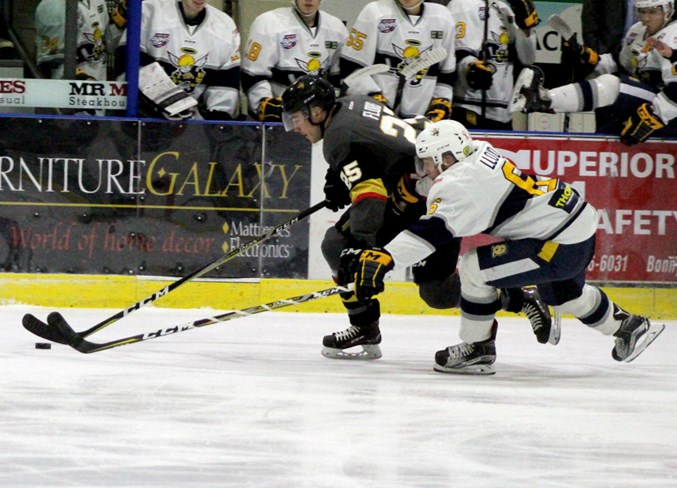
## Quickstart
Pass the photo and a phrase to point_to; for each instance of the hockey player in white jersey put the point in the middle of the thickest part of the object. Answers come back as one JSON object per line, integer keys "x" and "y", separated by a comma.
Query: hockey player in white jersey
{"x": 93, "y": 29}
{"x": 397, "y": 32}
{"x": 487, "y": 49}
{"x": 198, "y": 47}
{"x": 285, "y": 44}
{"x": 548, "y": 239}
{"x": 639, "y": 99}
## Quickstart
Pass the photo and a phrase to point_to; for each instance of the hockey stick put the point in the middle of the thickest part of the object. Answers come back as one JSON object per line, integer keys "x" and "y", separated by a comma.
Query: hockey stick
{"x": 424, "y": 61}
{"x": 559, "y": 25}
{"x": 44, "y": 330}
{"x": 484, "y": 56}
{"x": 78, "y": 342}
{"x": 356, "y": 75}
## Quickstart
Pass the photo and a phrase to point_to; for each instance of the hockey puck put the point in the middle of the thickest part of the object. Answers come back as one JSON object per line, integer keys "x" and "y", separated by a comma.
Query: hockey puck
{"x": 43, "y": 345}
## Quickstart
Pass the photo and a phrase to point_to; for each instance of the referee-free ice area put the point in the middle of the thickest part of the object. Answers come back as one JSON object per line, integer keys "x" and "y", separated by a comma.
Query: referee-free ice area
{"x": 252, "y": 403}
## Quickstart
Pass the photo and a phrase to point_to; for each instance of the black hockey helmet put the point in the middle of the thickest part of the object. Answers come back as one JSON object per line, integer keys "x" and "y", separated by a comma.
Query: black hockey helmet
{"x": 306, "y": 92}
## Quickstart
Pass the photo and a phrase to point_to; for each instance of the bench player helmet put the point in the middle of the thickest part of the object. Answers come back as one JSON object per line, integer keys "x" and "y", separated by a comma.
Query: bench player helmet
{"x": 445, "y": 136}
{"x": 668, "y": 7}
{"x": 306, "y": 92}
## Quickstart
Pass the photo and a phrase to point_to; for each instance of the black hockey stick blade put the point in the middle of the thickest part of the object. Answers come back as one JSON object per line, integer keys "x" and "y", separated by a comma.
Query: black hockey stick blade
{"x": 45, "y": 330}
{"x": 32, "y": 324}
{"x": 78, "y": 341}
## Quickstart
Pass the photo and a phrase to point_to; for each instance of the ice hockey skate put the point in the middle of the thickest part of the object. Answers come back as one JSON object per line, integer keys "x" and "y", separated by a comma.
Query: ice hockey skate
{"x": 528, "y": 95}
{"x": 356, "y": 342}
{"x": 475, "y": 358}
{"x": 634, "y": 336}
{"x": 546, "y": 329}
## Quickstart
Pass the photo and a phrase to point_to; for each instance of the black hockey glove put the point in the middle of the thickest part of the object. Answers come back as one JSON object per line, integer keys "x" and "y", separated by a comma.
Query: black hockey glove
{"x": 336, "y": 195}
{"x": 439, "y": 109}
{"x": 582, "y": 59}
{"x": 348, "y": 266}
{"x": 640, "y": 125}
{"x": 270, "y": 110}
{"x": 372, "y": 267}
{"x": 526, "y": 16}
{"x": 480, "y": 75}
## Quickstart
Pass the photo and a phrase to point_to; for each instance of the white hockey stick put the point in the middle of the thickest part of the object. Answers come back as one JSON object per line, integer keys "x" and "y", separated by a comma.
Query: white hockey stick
{"x": 364, "y": 72}
{"x": 424, "y": 61}
{"x": 559, "y": 25}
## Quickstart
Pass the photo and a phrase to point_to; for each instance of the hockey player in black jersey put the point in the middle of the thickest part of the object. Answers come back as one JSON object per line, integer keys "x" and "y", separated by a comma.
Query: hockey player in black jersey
{"x": 371, "y": 156}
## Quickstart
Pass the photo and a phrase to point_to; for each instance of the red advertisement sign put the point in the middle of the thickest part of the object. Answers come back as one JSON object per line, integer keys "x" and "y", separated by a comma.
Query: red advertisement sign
{"x": 632, "y": 188}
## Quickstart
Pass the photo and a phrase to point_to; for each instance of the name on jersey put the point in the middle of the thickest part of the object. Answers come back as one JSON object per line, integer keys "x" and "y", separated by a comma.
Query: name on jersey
{"x": 372, "y": 110}
{"x": 387, "y": 25}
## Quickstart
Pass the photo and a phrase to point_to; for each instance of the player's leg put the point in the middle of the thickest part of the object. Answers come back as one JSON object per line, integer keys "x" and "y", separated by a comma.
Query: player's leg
{"x": 529, "y": 95}
{"x": 363, "y": 334}
{"x": 483, "y": 270}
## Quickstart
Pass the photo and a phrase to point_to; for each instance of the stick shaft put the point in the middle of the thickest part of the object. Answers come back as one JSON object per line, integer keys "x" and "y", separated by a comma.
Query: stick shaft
{"x": 78, "y": 342}
{"x": 202, "y": 271}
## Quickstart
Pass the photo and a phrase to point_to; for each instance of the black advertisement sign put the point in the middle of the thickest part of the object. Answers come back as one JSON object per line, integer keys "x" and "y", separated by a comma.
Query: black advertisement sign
{"x": 150, "y": 197}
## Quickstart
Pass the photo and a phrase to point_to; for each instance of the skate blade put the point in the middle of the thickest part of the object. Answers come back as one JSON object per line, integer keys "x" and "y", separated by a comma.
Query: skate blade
{"x": 368, "y": 353}
{"x": 555, "y": 329}
{"x": 519, "y": 101}
{"x": 475, "y": 369}
{"x": 649, "y": 336}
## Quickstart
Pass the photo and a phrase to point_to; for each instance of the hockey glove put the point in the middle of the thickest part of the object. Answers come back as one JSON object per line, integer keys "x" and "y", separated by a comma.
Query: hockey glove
{"x": 118, "y": 14}
{"x": 378, "y": 96}
{"x": 270, "y": 110}
{"x": 526, "y": 16}
{"x": 439, "y": 109}
{"x": 640, "y": 125}
{"x": 480, "y": 75}
{"x": 582, "y": 59}
{"x": 372, "y": 267}
{"x": 336, "y": 195}
{"x": 348, "y": 265}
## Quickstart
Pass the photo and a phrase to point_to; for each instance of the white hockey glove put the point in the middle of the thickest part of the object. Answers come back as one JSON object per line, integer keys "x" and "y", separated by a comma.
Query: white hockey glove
{"x": 160, "y": 90}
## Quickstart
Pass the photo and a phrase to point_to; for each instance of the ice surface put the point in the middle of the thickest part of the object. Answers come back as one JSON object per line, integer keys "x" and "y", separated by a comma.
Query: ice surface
{"x": 252, "y": 403}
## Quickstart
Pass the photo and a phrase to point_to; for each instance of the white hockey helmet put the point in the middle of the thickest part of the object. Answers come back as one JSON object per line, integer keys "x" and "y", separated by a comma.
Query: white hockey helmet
{"x": 443, "y": 137}
{"x": 668, "y": 7}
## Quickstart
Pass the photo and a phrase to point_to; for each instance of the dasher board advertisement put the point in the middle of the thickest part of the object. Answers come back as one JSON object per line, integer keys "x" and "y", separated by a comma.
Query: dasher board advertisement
{"x": 150, "y": 198}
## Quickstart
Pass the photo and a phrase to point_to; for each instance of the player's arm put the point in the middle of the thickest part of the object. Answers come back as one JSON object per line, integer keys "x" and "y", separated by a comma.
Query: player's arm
{"x": 654, "y": 115}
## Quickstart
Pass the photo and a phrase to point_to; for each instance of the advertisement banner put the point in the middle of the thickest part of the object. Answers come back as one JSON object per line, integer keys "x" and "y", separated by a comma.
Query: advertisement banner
{"x": 151, "y": 198}
{"x": 72, "y": 94}
{"x": 633, "y": 189}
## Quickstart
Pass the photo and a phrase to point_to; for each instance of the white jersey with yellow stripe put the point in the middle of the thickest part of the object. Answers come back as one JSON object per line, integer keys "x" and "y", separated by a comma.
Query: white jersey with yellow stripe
{"x": 281, "y": 48}
{"x": 93, "y": 25}
{"x": 650, "y": 66}
{"x": 204, "y": 60}
{"x": 384, "y": 33}
{"x": 487, "y": 194}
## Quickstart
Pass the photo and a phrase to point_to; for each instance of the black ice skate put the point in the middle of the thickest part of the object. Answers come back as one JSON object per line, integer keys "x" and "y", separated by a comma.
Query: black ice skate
{"x": 634, "y": 336}
{"x": 464, "y": 358}
{"x": 546, "y": 329}
{"x": 528, "y": 95}
{"x": 368, "y": 337}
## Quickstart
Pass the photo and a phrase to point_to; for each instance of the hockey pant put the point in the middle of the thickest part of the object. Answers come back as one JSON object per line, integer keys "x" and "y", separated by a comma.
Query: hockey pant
{"x": 558, "y": 271}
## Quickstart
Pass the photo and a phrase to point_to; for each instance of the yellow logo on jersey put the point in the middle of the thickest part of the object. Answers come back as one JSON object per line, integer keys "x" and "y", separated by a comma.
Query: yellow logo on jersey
{"x": 432, "y": 208}
{"x": 498, "y": 250}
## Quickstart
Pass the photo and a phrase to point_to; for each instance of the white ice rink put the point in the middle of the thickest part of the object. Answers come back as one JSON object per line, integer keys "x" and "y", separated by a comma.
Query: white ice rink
{"x": 252, "y": 403}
